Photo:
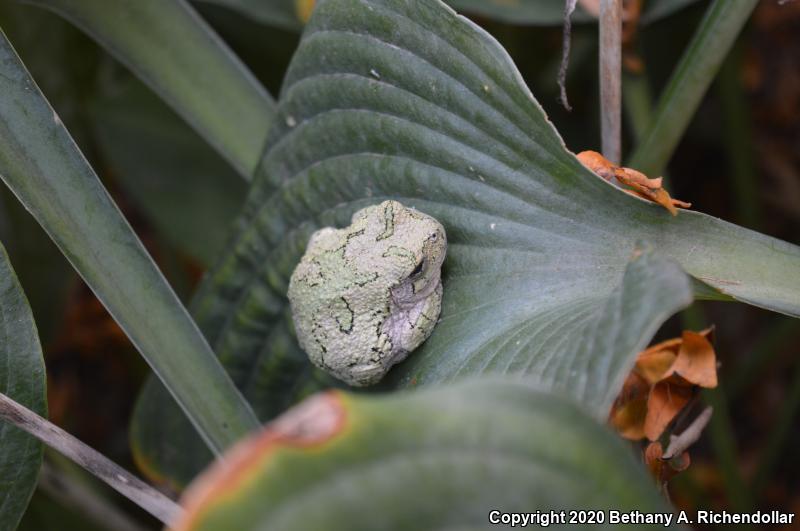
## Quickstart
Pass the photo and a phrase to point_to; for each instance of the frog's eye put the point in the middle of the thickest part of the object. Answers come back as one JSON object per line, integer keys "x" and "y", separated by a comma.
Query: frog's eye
{"x": 418, "y": 269}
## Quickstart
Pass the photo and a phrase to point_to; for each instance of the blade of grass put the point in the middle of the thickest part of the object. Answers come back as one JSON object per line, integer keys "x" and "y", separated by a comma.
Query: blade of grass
{"x": 766, "y": 348}
{"x": 710, "y": 45}
{"x": 724, "y": 445}
{"x": 44, "y": 168}
{"x": 739, "y": 142}
{"x": 776, "y": 441}
{"x": 638, "y": 104}
{"x": 172, "y": 49}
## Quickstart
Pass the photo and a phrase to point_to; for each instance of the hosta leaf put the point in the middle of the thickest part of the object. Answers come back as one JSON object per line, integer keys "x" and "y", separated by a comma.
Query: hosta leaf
{"x": 189, "y": 193}
{"x": 387, "y": 98}
{"x": 22, "y": 377}
{"x": 292, "y": 14}
{"x": 440, "y": 459}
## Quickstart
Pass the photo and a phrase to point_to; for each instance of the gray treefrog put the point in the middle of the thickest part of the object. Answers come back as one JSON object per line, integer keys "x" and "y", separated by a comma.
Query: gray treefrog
{"x": 365, "y": 296}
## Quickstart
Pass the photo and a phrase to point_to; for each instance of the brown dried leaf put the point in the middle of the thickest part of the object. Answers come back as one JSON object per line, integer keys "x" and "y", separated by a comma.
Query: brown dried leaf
{"x": 652, "y": 458}
{"x": 664, "y": 469}
{"x": 630, "y": 408}
{"x": 664, "y": 403}
{"x": 640, "y": 184}
{"x": 628, "y": 419}
{"x": 655, "y": 363}
{"x": 696, "y": 361}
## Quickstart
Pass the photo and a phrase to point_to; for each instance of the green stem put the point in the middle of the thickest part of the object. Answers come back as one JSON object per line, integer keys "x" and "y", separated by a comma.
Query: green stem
{"x": 638, "y": 103}
{"x": 724, "y": 445}
{"x": 777, "y": 438}
{"x": 763, "y": 352}
{"x": 739, "y": 142}
{"x": 710, "y": 45}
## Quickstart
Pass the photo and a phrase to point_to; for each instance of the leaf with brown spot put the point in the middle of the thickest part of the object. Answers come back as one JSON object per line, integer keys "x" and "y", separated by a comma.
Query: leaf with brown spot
{"x": 440, "y": 455}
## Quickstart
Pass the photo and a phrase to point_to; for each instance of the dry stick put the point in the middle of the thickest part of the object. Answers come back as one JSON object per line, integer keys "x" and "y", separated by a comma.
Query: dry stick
{"x": 115, "y": 476}
{"x": 678, "y": 444}
{"x": 611, "y": 79}
{"x": 84, "y": 500}
{"x": 566, "y": 40}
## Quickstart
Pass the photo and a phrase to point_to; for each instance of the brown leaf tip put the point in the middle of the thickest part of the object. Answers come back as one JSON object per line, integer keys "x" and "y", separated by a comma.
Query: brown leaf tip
{"x": 313, "y": 422}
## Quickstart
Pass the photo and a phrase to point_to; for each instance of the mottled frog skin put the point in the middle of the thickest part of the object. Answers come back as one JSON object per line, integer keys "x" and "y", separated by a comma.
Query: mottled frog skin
{"x": 365, "y": 296}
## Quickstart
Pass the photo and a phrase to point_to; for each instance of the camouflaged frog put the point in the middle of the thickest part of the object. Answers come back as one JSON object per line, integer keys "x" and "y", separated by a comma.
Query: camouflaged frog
{"x": 365, "y": 296}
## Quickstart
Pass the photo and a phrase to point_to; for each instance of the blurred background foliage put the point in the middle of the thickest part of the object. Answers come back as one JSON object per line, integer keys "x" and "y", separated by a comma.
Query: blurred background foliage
{"x": 740, "y": 161}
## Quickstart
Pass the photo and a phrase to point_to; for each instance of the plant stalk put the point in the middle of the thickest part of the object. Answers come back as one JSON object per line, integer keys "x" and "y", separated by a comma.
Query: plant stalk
{"x": 79, "y": 497}
{"x": 112, "y": 474}
{"x": 611, "y": 79}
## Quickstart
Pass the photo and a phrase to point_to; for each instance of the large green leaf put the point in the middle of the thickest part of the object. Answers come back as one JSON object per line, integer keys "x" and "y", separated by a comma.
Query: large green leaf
{"x": 169, "y": 46}
{"x": 440, "y": 459}
{"x": 289, "y": 14}
{"x": 44, "y": 168}
{"x": 587, "y": 360}
{"x": 408, "y": 100}
{"x": 22, "y": 377}
{"x": 185, "y": 190}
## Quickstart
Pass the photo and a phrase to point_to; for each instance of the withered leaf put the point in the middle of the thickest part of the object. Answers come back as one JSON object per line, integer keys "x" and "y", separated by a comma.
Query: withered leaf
{"x": 640, "y": 185}
{"x": 628, "y": 419}
{"x": 655, "y": 363}
{"x": 666, "y": 400}
{"x": 696, "y": 361}
{"x": 664, "y": 469}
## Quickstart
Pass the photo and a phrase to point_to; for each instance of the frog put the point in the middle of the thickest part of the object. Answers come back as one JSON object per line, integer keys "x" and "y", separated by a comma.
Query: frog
{"x": 365, "y": 296}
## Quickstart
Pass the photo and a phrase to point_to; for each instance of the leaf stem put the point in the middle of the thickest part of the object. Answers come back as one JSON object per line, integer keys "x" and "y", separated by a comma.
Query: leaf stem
{"x": 680, "y": 99}
{"x": 115, "y": 476}
{"x": 611, "y": 79}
